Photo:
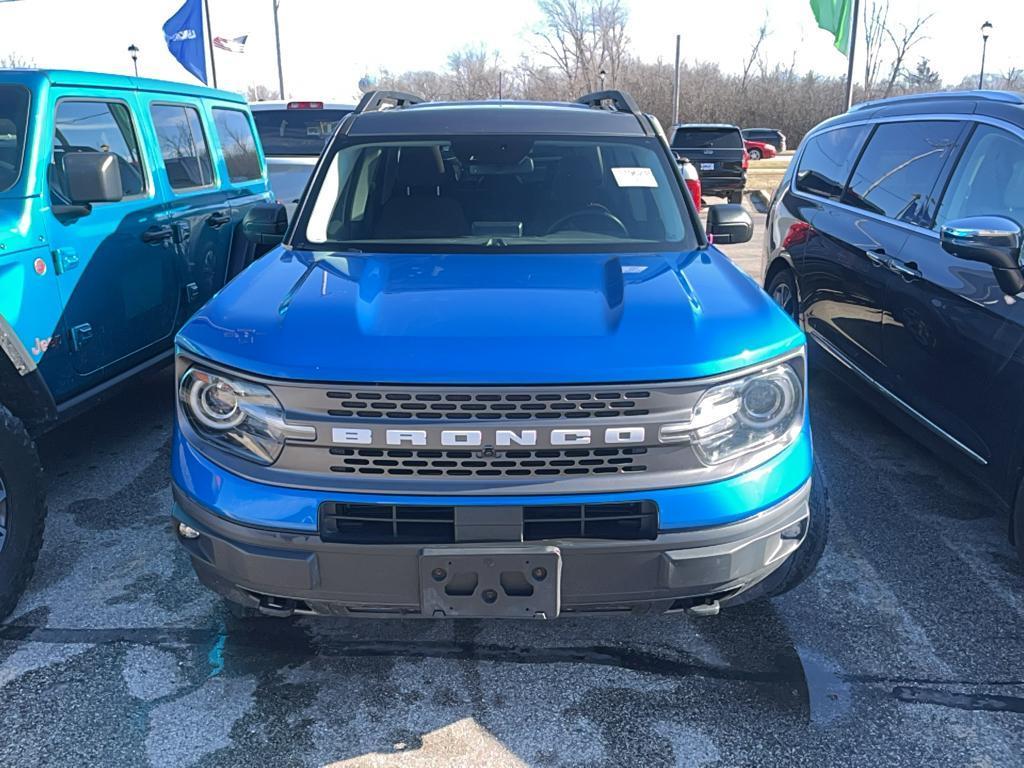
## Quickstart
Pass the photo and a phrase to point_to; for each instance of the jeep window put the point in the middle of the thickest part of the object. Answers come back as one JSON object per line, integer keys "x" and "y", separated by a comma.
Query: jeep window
{"x": 897, "y": 173}
{"x": 707, "y": 138}
{"x": 513, "y": 192}
{"x": 96, "y": 126}
{"x": 13, "y": 121}
{"x": 827, "y": 159}
{"x": 296, "y": 131}
{"x": 183, "y": 146}
{"x": 988, "y": 180}
{"x": 238, "y": 144}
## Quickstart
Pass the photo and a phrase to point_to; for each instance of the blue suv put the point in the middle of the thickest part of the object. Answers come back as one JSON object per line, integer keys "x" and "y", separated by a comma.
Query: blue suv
{"x": 496, "y": 369}
{"x": 121, "y": 201}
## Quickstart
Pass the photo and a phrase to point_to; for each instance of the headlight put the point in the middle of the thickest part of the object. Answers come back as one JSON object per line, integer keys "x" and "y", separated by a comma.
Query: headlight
{"x": 761, "y": 411}
{"x": 236, "y": 415}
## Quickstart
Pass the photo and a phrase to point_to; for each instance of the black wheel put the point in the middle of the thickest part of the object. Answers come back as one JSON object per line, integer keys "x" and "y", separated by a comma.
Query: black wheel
{"x": 801, "y": 564}
{"x": 735, "y": 197}
{"x": 22, "y": 509}
{"x": 782, "y": 288}
{"x": 755, "y": 154}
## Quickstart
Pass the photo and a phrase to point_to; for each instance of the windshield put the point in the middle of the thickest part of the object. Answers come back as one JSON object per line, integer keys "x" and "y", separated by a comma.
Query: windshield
{"x": 13, "y": 119}
{"x": 707, "y": 138}
{"x": 510, "y": 192}
{"x": 296, "y": 131}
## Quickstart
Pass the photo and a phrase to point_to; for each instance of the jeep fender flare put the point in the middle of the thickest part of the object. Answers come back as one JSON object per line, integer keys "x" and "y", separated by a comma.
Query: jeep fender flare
{"x": 22, "y": 388}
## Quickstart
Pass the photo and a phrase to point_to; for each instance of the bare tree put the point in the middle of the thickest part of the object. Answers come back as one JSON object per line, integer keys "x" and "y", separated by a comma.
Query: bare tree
{"x": 14, "y": 61}
{"x": 583, "y": 37}
{"x": 902, "y": 42}
{"x": 259, "y": 92}
{"x": 876, "y": 22}
{"x": 755, "y": 53}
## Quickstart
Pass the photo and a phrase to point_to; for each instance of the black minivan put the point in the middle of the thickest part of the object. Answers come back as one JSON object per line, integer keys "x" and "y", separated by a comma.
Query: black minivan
{"x": 895, "y": 239}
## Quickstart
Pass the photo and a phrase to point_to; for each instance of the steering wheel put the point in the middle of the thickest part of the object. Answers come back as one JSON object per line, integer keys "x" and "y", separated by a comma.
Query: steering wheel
{"x": 594, "y": 211}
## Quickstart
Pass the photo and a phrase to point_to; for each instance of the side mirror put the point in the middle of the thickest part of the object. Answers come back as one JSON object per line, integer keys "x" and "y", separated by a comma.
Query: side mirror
{"x": 729, "y": 224}
{"x": 992, "y": 240}
{"x": 93, "y": 177}
{"x": 265, "y": 224}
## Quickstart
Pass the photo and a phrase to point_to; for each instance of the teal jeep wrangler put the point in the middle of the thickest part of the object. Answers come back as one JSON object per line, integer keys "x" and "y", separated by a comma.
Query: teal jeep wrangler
{"x": 121, "y": 203}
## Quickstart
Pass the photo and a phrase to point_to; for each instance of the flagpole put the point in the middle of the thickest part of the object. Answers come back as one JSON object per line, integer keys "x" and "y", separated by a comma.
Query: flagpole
{"x": 209, "y": 40}
{"x": 277, "y": 42}
{"x": 853, "y": 46}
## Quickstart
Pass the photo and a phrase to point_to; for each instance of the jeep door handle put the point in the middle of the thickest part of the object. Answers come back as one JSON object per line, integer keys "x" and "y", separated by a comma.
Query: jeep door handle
{"x": 158, "y": 234}
{"x": 877, "y": 257}
{"x": 907, "y": 270}
{"x": 219, "y": 219}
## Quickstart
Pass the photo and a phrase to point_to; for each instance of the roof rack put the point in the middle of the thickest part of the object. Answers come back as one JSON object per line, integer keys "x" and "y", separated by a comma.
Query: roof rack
{"x": 622, "y": 102}
{"x": 1003, "y": 97}
{"x": 372, "y": 101}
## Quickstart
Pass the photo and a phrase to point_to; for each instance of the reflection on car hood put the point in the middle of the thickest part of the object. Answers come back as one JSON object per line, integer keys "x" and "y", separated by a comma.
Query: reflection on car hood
{"x": 490, "y": 318}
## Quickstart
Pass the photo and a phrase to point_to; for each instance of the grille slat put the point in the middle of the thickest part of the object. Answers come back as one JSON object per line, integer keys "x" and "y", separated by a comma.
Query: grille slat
{"x": 462, "y": 463}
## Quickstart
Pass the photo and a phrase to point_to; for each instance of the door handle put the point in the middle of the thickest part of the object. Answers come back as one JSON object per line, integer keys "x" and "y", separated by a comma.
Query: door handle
{"x": 907, "y": 270}
{"x": 158, "y": 234}
{"x": 218, "y": 219}
{"x": 877, "y": 257}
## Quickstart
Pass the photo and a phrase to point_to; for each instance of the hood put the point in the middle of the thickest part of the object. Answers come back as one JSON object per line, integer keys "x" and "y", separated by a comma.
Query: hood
{"x": 490, "y": 319}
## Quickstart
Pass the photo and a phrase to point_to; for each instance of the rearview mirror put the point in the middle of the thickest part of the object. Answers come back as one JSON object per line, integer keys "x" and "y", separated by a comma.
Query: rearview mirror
{"x": 265, "y": 224}
{"x": 992, "y": 240}
{"x": 93, "y": 177}
{"x": 729, "y": 224}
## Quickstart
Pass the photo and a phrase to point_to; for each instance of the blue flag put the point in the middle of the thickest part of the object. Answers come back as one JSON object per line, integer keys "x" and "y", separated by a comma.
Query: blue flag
{"x": 184, "y": 35}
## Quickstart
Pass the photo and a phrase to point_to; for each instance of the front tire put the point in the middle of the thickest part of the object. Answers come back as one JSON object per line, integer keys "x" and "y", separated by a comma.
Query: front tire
{"x": 22, "y": 509}
{"x": 782, "y": 289}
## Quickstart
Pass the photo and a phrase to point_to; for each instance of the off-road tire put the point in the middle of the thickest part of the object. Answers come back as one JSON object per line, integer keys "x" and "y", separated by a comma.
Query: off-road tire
{"x": 22, "y": 476}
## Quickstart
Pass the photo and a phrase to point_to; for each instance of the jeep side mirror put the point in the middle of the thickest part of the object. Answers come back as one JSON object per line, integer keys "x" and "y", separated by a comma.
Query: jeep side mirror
{"x": 729, "y": 224}
{"x": 992, "y": 240}
{"x": 93, "y": 177}
{"x": 265, "y": 224}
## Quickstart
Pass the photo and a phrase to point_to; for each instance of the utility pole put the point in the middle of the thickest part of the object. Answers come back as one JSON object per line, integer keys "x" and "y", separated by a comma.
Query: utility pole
{"x": 853, "y": 46}
{"x": 209, "y": 40}
{"x": 277, "y": 41}
{"x": 675, "y": 87}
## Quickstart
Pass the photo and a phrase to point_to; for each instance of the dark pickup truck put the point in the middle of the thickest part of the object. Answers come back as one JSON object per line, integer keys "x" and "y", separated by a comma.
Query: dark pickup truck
{"x": 718, "y": 154}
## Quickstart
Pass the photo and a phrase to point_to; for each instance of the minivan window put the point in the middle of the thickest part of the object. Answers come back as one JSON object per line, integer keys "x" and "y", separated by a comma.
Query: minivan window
{"x": 183, "y": 146}
{"x": 896, "y": 175}
{"x": 96, "y": 126}
{"x": 296, "y": 131}
{"x": 500, "y": 192}
{"x": 988, "y": 180}
{"x": 707, "y": 138}
{"x": 13, "y": 121}
{"x": 238, "y": 144}
{"x": 827, "y": 158}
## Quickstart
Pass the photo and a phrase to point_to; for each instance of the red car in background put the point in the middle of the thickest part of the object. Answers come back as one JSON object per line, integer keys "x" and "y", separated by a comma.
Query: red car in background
{"x": 758, "y": 149}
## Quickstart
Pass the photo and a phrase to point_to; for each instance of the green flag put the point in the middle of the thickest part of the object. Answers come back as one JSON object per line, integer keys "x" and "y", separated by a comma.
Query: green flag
{"x": 834, "y": 16}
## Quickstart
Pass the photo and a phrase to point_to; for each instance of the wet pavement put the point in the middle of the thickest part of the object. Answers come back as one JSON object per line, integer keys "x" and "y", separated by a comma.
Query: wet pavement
{"x": 905, "y": 648}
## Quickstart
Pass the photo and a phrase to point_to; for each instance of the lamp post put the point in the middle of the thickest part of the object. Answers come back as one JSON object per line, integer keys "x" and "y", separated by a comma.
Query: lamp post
{"x": 986, "y": 30}
{"x": 133, "y": 49}
{"x": 602, "y": 74}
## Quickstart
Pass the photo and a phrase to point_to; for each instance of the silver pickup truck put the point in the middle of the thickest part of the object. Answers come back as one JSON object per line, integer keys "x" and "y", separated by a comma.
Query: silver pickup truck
{"x": 293, "y": 133}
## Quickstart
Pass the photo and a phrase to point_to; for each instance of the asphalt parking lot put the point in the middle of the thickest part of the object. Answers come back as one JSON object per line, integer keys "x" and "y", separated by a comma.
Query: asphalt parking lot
{"x": 904, "y": 649}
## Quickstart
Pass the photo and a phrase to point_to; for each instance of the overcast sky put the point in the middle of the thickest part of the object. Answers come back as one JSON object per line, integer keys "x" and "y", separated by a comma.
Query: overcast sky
{"x": 328, "y": 45}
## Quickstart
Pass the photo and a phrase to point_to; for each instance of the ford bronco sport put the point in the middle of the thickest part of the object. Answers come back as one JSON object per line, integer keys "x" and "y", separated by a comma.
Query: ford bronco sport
{"x": 496, "y": 369}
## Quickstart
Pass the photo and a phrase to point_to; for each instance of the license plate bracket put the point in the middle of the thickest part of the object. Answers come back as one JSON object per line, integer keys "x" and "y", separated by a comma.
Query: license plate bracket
{"x": 491, "y": 582}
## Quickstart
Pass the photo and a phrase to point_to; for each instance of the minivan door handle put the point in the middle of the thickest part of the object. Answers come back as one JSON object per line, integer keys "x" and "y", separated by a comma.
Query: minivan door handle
{"x": 907, "y": 270}
{"x": 877, "y": 257}
{"x": 158, "y": 234}
{"x": 219, "y": 219}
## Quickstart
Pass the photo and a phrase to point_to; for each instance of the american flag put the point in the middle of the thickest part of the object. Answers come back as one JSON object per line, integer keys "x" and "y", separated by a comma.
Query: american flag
{"x": 233, "y": 44}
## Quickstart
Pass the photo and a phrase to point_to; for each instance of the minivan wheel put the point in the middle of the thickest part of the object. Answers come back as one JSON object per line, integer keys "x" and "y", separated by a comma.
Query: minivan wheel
{"x": 782, "y": 288}
{"x": 22, "y": 509}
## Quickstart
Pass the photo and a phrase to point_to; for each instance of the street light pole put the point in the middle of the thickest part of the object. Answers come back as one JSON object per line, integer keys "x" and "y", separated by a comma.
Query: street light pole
{"x": 602, "y": 74}
{"x": 133, "y": 49}
{"x": 277, "y": 42}
{"x": 986, "y": 30}
{"x": 675, "y": 85}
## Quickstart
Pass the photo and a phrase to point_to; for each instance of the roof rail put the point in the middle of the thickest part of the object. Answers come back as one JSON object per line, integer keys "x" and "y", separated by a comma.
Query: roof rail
{"x": 1003, "y": 97}
{"x": 622, "y": 102}
{"x": 372, "y": 101}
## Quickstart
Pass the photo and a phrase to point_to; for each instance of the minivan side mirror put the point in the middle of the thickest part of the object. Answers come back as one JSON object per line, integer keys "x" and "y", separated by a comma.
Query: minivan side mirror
{"x": 266, "y": 223}
{"x": 93, "y": 177}
{"x": 729, "y": 224}
{"x": 992, "y": 240}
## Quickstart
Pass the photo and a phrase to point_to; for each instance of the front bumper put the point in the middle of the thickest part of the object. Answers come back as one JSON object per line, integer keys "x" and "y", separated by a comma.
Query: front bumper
{"x": 281, "y": 572}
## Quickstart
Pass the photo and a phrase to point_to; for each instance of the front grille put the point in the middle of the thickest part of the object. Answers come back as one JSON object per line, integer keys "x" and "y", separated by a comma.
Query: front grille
{"x": 463, "y": 463}
{"x": 490, "y": 405}
{"x": 342, "y": 522}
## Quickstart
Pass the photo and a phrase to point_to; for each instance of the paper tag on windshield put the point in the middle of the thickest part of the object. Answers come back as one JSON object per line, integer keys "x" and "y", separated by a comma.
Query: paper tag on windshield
{"x": 634, "y": 177}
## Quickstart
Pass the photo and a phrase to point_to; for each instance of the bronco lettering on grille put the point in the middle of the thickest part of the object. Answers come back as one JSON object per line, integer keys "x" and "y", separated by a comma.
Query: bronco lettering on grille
{"x": 485, "y": 437}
